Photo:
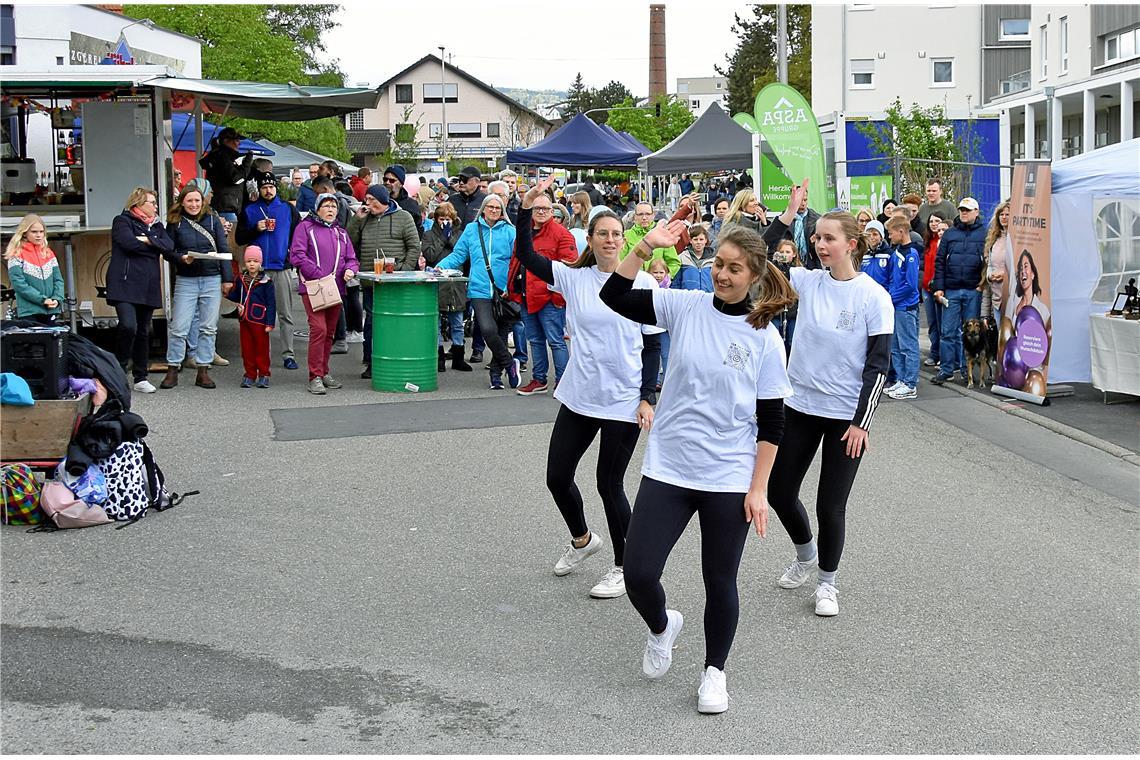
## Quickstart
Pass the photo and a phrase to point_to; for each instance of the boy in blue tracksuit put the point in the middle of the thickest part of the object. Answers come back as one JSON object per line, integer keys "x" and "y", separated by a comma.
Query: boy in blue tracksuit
{"x": 906, "y": 263}
{"x": 877, "y": 262}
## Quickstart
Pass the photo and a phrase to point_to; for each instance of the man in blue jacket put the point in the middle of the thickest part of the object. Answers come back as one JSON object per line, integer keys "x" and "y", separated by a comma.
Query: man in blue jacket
{"x": 957, "y": 274}
{"x": 268, "y": 223}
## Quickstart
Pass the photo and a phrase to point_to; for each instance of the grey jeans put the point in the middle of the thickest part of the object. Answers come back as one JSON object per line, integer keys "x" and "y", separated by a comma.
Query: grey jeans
{"x": 285, "y": 291}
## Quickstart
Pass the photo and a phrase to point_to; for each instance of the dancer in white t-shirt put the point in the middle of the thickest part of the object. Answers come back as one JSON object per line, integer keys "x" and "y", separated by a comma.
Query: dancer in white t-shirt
{"x": 843, "y": 351}
{"x": 608, "y": 387}
{"x": 714, "y": 439}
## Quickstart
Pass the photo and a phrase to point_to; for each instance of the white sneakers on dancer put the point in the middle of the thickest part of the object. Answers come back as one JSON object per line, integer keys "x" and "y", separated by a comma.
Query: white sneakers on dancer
{"x": 659, "y": 648}
{"x": 826, "y": 600}
{"x": 611, "y": 586}
{"x": 573, "y": 556}
{"x": 797, "y": 573}
{"x": 712, "y": 696}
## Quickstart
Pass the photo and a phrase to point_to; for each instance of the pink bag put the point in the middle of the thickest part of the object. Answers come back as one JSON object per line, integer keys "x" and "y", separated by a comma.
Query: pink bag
{"x": 64, "y": 509}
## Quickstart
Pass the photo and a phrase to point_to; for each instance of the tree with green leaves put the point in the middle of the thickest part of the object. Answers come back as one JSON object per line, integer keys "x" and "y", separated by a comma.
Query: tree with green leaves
{"x": 578, "y": 97}
{"x": 921, "y": 139}
{"x": 655, "y": 125}
{"x": 404, "y": 148}
{"x": 753, "y": 64}
{"x": 241, "y": 42}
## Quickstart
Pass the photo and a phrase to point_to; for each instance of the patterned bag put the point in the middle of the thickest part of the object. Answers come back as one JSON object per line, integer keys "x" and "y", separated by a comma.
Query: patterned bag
{"x": 125, "y": 473}
{"x": 21, "y": 494}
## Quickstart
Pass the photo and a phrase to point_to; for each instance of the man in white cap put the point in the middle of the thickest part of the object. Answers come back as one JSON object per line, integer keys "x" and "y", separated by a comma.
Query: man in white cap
{"x": 958, "y": 268}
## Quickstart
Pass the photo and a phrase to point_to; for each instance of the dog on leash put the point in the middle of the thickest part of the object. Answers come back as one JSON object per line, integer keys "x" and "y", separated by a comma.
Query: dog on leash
{"x": 979, "y": 343}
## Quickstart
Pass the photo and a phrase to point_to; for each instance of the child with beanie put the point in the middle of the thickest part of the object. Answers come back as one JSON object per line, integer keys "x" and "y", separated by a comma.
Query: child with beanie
{"x": 257, "y": 313}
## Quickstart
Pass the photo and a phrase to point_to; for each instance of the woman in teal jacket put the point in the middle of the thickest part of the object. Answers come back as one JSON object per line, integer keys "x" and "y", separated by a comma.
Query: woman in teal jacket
{"x": 34, "y": 272}
{"x": 493, "y": 233}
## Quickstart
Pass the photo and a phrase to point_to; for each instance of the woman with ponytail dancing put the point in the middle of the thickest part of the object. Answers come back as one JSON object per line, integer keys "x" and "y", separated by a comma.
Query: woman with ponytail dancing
{"x": 713, "y": 441}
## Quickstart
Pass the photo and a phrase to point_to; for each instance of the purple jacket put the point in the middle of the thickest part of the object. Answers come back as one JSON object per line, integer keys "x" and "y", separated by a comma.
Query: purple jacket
{"x": 304, "y": 254}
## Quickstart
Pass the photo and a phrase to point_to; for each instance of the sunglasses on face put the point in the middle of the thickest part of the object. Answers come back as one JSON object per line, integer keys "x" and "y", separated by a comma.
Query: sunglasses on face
{"x": 389, "y": 180}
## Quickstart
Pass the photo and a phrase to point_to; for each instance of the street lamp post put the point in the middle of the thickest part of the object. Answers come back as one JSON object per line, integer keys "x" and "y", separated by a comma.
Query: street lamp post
{"x": 443, "y": 104}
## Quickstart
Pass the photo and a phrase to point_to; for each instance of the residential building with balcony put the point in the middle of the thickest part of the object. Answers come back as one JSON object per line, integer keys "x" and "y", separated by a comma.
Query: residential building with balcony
{"x": 1077, "y": 89}
{"x": 481, "y": 122}
{"x": 701, "y": 92}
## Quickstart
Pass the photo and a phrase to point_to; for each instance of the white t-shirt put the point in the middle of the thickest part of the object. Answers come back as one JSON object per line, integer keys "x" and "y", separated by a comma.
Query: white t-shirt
{"x": 603, "y": 377}
{"x": 830, "y": 348}
{"x": 704, "y": 433}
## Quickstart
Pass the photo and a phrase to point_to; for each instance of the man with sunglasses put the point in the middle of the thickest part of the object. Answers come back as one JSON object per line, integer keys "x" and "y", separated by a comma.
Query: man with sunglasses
{"x": 393, "y": 179}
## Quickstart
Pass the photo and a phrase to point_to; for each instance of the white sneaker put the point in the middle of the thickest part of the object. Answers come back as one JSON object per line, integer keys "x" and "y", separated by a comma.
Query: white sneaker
{"x": 574, "y": 557}
{"x": 610, "y": 587}
{"x": 903, "y": 392}
{"x": 712, "y": 696}
{"x": 797, "y": 573}
{"x": 355, "y": 337}
{"x": 826, "y": 600}
{"x": 144, "y": 386}
{"x": 893, "y": 387}
{"x": 659, "y": 649}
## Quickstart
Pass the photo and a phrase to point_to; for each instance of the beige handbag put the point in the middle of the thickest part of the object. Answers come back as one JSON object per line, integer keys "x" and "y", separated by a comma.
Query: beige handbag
{"x": 323, "y": 292}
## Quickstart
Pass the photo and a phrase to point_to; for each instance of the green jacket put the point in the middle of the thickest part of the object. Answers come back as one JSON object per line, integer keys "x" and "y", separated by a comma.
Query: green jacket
{"x": 392, "y": 234}
{"x": 33, "y": 283}
{"x": 634, "y": 235}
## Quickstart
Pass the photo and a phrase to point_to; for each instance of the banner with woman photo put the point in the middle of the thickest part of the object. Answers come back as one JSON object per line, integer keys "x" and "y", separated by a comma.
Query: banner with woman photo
{"x": 1025, "y": 332}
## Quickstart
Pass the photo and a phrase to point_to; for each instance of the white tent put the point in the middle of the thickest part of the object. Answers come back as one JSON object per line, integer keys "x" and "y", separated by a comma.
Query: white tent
{"x": 1096, "y": 190}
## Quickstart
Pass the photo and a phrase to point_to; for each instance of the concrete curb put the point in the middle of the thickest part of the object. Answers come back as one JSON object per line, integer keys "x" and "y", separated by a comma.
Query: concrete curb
{"x": 1068, "y": 431}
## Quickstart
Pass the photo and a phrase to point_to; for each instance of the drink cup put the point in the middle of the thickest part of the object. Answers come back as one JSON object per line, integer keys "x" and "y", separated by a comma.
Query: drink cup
{"x": 270, "y": 224}
{"x": 389, "y": 265}
{"x": 378, "y": 266}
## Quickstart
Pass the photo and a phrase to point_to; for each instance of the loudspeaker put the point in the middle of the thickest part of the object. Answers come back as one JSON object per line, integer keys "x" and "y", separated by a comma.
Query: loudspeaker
{"x": 38, "y": 356}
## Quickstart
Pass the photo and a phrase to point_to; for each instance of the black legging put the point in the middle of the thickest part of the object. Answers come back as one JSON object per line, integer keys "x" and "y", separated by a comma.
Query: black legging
{"x": 132, "y": 339}
{"x": 494, "y": 334}
{"x": 659, "y": 518}
{"x": 802, "y": 436}
{"x": 572, "y": 435}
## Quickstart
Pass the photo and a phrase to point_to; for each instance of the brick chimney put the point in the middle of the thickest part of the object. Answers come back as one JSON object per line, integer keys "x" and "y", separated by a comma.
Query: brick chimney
{"x": 656, "y": 50}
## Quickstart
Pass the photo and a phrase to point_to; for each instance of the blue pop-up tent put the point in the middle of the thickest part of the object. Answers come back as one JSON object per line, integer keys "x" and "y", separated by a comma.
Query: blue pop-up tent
{"x": 182, "y": 125}
{"x": 580, "y": 142}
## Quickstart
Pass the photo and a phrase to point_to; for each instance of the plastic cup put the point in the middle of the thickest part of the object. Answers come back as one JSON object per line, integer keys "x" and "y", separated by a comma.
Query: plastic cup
{"x": 270, "y": 224}
{"x": 389, "y": 265}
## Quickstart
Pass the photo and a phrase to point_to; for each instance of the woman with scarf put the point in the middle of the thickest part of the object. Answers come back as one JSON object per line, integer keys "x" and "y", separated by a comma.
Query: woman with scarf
{"x": 138, "y": 239}
{"x": 321, "y": 247}
{"x": 199, "y": 286}
{"x": 34, "y": 272}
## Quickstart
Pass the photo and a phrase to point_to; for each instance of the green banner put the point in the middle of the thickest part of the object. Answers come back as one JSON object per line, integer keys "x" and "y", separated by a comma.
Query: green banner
{"x": 774, "y": 185}
{"x": 785, "y": 120}
{"x": 864, "y": 192}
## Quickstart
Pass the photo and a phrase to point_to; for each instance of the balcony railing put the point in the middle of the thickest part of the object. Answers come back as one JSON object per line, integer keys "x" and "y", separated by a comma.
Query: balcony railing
{"x": 1016, "y": 83}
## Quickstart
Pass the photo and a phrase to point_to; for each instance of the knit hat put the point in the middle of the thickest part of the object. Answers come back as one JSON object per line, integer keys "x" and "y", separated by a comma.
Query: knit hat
{"x": 877, "y": 226}
{"x": 265, "y": 178}
{"x": 252, "y": 252}
{"x": 379, "y": 192}
{"x": 400, "y": 172}
{"x": 595, "y": 210}
{"x": 326, "y": 197}
{"x": 202, "y": 184}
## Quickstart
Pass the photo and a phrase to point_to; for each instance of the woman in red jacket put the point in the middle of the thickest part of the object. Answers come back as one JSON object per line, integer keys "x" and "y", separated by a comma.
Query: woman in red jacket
{"x": 544, "y": 311}
{"x": 934, "y": 229}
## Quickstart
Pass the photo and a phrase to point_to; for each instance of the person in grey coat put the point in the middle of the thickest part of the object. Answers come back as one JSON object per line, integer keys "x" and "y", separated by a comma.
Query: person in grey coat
{"x": 437, "y": 245}
{"x": 379, "y": 230}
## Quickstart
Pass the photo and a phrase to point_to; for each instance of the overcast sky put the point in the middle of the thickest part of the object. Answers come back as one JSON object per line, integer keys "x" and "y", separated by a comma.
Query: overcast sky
{"x": 536, "y": 45}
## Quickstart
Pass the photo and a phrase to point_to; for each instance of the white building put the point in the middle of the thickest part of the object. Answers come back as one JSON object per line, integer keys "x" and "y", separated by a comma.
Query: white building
{"x": 1084, "y": 65}
{"x": 45, "y": 37}
{"x": 482, "y": 123}
{"x": 925, "y": 53}
{"x": 701, "y": 92}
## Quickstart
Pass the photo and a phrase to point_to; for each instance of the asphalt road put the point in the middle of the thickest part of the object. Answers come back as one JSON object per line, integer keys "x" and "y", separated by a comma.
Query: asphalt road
{"x": 392, "y": 593}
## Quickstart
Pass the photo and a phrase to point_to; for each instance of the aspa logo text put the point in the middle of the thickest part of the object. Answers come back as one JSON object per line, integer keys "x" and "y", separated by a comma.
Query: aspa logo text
{"x": 783, "y": 113}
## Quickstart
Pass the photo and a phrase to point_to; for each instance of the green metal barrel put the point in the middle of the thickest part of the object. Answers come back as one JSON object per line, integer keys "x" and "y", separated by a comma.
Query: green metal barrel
{"x": 405, "y": 336}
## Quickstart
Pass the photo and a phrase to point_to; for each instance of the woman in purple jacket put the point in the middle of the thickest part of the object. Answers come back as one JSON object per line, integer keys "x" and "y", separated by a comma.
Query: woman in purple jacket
{"x": 321, "y": 247}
